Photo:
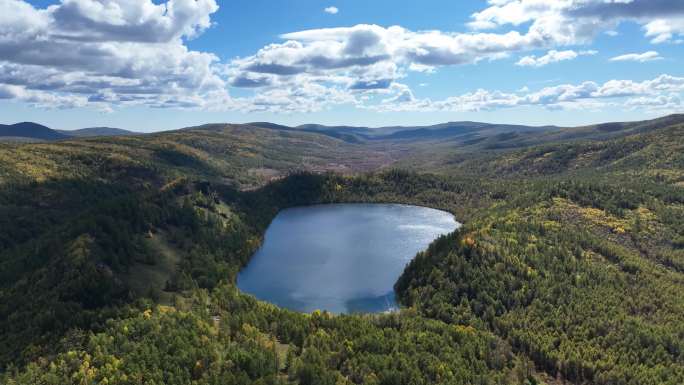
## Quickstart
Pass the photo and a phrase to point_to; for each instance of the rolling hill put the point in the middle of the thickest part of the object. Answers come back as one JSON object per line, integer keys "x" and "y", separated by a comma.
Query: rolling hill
{"x": 97, "y": 131}
{"x": 443, "y": 131}
{"x": 30, "y": 130}
{"x": 475, "y": 135}
{"x": 474, "y": 154}
{"x": 118, "y": 256}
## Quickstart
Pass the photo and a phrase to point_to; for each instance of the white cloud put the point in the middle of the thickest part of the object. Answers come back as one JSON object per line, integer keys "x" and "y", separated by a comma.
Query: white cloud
{"x": 552, "y": 56}
{"x": 416, "y": 67}
{"x": 109, "y": 52}
{"x": 662, "y": 92}
{"x": 372, "y": 56}
{"x": 578, "y": 21}
{"x": 659, "y": 103}
{"x": 638, "y": 57}
{"x": 42, "y": 99}
{"x": 362, "y": 60}
{"x": 331, "y": 10}
{"x": 106, "y": 53}
{"x": 365, "y": 60}
{"x": 131, "y": 20}
{"x": 665, "y": 29}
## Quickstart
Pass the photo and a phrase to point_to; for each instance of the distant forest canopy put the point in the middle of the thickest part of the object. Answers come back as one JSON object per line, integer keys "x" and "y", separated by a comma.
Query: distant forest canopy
{"x": 118, "y": 258}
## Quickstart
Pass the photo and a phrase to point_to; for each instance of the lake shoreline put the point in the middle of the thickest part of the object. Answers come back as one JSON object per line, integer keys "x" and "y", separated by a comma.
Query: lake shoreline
{"x": 340, "y": 257}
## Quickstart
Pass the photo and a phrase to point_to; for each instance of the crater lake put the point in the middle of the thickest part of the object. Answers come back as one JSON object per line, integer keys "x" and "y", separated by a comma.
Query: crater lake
{"x": 343, "y": 258}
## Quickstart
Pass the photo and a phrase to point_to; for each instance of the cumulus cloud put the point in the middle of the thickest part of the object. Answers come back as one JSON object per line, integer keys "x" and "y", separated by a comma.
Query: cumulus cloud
{"x": 422, "y": 68}
{"x": 370, "y": 56}
{"x": 666, "y": 29}
{"x": 662, "y": 102}
{"x": 131, "y": 20}
{"x": 42, "y": 99}
{"x": 364, "y": 61}
{"x": 552, "y": 56}
{"x": 580, "y": 20}
{"x": 663, "y": 92}
{"x": 331, "y": 10}
{"x": 108, "y": 52}
{"x": 638, "y": 57}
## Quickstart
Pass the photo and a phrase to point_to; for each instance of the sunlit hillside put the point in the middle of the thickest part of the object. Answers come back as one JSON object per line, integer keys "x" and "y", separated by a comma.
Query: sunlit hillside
{"x": 558, "y": 265}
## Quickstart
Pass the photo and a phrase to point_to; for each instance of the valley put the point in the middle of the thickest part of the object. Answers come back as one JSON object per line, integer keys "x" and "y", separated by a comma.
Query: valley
{"x": 119, "y": 253}
{"x": 204, "y": 192}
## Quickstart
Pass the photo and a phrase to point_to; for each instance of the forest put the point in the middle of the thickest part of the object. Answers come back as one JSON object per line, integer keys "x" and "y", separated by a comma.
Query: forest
{"x": 118, "y": 260}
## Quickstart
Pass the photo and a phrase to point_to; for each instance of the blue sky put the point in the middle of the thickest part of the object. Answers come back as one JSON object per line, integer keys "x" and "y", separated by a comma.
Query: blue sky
{"x": 148, "y": 66}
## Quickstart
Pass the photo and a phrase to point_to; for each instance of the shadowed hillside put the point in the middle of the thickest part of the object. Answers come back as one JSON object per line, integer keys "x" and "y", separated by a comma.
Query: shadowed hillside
{"x": 97, "y": 131}
{"x": 118, "y": 258}
{"x": 236, "y": 154}
{"x": 29, "y": 130}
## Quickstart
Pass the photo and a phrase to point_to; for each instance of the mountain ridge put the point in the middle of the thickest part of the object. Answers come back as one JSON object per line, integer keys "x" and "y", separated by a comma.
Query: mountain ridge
{"x": 93, "y": 231}
{"x": 497, "y": 135}
{"x": 34, "y": 131}
{"x": 98, "y": 131}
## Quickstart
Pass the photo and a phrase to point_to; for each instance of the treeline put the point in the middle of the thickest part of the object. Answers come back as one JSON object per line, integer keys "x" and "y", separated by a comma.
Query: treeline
{"x": 69, "y": 269}
{"x": 68, "y": 273}
{"x": 563, "y": 279}
{"x": 216, "y": 229}
{"x": 225, "y": 337}
{"x": 573, "y": 278}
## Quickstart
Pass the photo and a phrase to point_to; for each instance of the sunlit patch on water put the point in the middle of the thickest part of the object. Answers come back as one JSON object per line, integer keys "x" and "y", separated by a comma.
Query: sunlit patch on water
{"x": 341, "y": 258}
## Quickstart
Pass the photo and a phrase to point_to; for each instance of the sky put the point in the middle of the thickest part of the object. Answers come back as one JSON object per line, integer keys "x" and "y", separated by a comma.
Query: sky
{"x": 154, "y": 65}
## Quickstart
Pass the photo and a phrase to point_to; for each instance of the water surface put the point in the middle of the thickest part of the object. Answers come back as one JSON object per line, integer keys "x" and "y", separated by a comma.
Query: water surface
{"x": 342, "y": 258}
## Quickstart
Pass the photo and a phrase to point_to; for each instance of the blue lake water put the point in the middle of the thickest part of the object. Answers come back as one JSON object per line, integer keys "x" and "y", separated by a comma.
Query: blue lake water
{"x": 342, "y": 258}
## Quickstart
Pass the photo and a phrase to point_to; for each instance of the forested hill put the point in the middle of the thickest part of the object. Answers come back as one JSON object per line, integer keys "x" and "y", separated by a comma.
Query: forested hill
{"x": 29, "y": 130}
{"x": 466, "y": 133}
{"x": 481, "y": 135}
{"x": 449, "y": 131}
{"x": 97, "y": 131}
{"x": 643, "y": 147}
{"x": 118, "y": 259}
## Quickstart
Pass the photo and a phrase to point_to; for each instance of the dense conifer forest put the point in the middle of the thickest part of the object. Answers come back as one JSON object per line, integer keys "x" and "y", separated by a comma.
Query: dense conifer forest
{"x": 118, "y": 260}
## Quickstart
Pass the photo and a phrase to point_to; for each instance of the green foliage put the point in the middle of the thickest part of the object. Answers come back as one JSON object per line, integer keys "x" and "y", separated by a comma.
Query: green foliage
{"x": 569, "y": 268}
{"x": 564, "y": 287}
{"x": 169, "y": 346}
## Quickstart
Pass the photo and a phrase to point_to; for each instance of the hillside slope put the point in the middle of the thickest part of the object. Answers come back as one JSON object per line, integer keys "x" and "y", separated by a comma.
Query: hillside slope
{"x": 454, "y": 131}
{"x": 30, "y": 130}
{"x": 557, "y": 151}
{"x": 569, "y": 267}
{"x": 645, "y": 150}
{"x": 237, "y": 154}
{"x": 97, "y": 131}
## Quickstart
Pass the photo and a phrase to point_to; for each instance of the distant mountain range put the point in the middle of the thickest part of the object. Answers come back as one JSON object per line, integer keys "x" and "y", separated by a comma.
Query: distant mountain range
{"x": 483, "y": 135}
{"x": 29, "y": 130}
{"x": 32, "y": 132}
{"x": 452, "y": 131}
{"x": 98, "y": 131}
